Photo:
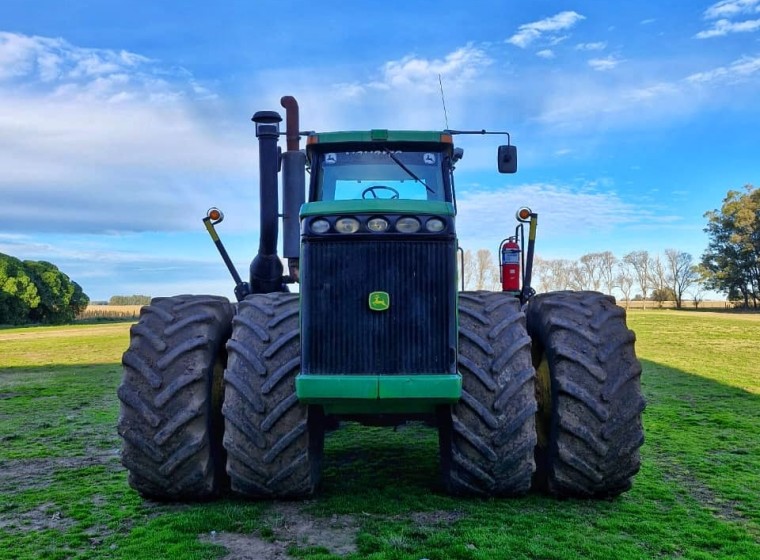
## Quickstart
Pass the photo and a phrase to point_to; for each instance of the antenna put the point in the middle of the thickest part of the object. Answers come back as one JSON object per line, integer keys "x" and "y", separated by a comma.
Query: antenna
{"x": 443, "y": 101}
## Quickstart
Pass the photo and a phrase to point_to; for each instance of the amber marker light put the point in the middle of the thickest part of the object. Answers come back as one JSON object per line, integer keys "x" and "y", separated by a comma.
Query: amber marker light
{"x": 215, "y": 215}
{"x": 523, "y": 214}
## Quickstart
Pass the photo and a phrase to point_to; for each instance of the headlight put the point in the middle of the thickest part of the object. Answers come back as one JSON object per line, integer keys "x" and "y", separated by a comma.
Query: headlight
{"x": 408, "y": 225}
{"x": 347, "y": 225}
{"x": 320, "y": 226}
{"x": 434, "y": 225}
{"x": 377, "y": 224}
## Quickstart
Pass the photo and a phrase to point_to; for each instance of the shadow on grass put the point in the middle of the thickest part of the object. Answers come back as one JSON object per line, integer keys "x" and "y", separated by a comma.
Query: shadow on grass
{"x": 696, "y": 494}
{"x": 705, "y": 436}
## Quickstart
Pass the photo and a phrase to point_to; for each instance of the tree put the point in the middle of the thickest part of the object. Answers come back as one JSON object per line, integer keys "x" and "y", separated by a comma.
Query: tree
{"x": 697, "y": 294}
{"x": 640, "y": 262}
{"x": 480, "y": 271}
{"x": 732, "y": 257}
{"x": 658, "y": 279}
{"x": 18, "y": 292}
{"x": 681, "y": 273}
{"x": 577, "y": 276}
{"x": 468, "y": 269}
{"x": 37, "y": 291}
{"x": 624, "y": 281}
{"x": 607, "y": 265}
{"x": 553, "y": 274}
{"x": 591, "y": 264}
{"x": 487, "y": 271}
{"x": 661, "y": 295}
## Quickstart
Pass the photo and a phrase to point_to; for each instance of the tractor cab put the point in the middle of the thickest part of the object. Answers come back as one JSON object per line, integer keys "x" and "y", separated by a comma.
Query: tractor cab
{"x": 380, "y": 165}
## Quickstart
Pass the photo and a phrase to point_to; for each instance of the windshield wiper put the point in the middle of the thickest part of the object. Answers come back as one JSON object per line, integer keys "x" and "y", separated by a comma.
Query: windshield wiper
{"x": 411, "y": 173}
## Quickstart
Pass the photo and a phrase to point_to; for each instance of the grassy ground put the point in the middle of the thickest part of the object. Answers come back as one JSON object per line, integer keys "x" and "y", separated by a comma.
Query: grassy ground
{"x": 63, "y": 493}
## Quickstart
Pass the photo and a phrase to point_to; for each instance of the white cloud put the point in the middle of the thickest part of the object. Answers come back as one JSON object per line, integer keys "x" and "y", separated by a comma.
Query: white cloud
{"x": 529, "y": 32}
{"x": 456, "y": 68}
{"x": 106, "y": 140}
{"x": 730, "y": 8}
{"x": 606, "y": 63}
{"x": 724, "y": 27}
{"x": 736, "y": 71}
{"x": 652, "y": 92}
{"x": 631, "y": 100}
{"x": 481, "y": 213}
{"x": 546, "y": 53}
{"x": 50, "y": 59}
{"x": 400, "y": 93}
{"x": 598, "y": 46}
{"x": 727, "y": 10}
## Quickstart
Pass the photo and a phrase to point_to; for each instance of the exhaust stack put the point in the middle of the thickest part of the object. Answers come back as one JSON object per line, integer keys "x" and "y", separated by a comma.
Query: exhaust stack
{"x": 266, "y": 268}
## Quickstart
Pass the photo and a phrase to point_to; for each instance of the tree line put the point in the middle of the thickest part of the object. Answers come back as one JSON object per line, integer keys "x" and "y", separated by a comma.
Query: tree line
{"x": 129, "y": 300}
{"x": 658, "y": 278}
{"x": 37, "y": 292}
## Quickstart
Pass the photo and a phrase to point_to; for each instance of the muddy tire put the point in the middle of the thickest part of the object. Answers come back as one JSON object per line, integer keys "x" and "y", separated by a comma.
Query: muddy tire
{"x": 170, "y": 420}
{"x": 589, "y": 389}
{"x": 487, "y": 439}
{"x": 274, "y": 444}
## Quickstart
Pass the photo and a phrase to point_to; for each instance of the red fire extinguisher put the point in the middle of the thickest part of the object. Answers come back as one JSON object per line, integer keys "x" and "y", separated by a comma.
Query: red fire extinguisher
{"x": 510, "y": 265}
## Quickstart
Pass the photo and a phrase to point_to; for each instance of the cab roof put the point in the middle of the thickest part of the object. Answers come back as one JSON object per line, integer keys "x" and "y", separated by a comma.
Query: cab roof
{"x": 379, "y": 135}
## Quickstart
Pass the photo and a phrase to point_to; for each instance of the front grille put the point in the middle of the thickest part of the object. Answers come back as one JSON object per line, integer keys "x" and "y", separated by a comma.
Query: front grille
{"x": 340, "y": 334}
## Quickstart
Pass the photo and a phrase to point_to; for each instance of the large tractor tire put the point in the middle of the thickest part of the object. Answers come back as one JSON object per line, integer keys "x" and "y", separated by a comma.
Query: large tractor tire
{"x": 170, "y": 394}
{"x": 589, "y": 394}
{"x": 487, "y": 439}
{"x": 274, "y": 444}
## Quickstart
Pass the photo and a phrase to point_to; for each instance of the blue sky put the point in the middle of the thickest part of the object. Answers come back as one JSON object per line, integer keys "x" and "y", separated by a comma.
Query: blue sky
{"x": 122, "y": 122}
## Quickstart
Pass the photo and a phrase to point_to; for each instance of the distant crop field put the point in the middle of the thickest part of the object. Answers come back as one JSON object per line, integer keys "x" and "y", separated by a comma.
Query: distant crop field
{"x": 110, "y": 312}
{"x": 65, "y": 494}
{"x": 686, "y": 304}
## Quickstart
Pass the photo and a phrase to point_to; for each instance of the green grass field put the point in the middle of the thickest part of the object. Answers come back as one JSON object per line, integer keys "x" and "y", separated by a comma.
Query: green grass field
{"x": 63, "y": 493}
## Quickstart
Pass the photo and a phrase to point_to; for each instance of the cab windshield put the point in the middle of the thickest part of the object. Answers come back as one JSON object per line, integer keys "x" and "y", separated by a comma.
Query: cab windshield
{"x": 380, "y": 174}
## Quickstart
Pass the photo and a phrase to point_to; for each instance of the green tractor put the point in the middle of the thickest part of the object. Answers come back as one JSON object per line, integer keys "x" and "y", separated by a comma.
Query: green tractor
{"x": 527, "y": 391}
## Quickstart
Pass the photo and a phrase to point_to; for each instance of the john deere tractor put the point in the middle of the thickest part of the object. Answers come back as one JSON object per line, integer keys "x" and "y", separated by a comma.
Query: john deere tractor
{"x": 526, "y": 390}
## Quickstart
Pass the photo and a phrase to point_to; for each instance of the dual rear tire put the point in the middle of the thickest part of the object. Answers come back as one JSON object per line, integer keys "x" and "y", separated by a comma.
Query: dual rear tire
{"x": 170, "y": 420}
{"x": 187, "y": 355}
{"x": 589, "y": 395}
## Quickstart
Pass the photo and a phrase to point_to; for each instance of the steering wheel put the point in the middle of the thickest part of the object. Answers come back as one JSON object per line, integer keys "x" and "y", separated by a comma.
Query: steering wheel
{"x": 375, "y": 188}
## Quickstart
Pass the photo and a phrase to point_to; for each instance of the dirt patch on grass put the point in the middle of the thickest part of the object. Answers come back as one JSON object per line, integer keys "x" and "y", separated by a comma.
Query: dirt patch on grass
{"x": 435, "y": 518}
{"x": 43, "y": 517}
{"x": 26, "y": 474}
{"x": 247, "y": 547}
{"x": 720, "y": 507}
{"x": 287, "y": 526}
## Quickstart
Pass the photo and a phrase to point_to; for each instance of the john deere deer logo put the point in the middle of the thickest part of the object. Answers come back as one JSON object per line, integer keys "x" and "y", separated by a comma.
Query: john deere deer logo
{"x": 379, "y": 301}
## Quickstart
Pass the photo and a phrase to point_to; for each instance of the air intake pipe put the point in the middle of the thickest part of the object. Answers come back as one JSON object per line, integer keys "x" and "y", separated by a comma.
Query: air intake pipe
{"x": 293, "y": 187}
{"x": 266, "y": 267}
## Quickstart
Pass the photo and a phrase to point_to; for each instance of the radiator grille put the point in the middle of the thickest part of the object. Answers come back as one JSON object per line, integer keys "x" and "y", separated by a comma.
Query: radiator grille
{"x": 341, "y": 335}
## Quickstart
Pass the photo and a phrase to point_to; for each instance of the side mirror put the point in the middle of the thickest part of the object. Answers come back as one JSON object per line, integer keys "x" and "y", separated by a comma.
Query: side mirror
{"x": 507, "y": 159}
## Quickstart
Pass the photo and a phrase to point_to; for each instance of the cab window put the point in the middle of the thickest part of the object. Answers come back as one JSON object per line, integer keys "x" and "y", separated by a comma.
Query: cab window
{"x": 382, "y": 174}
